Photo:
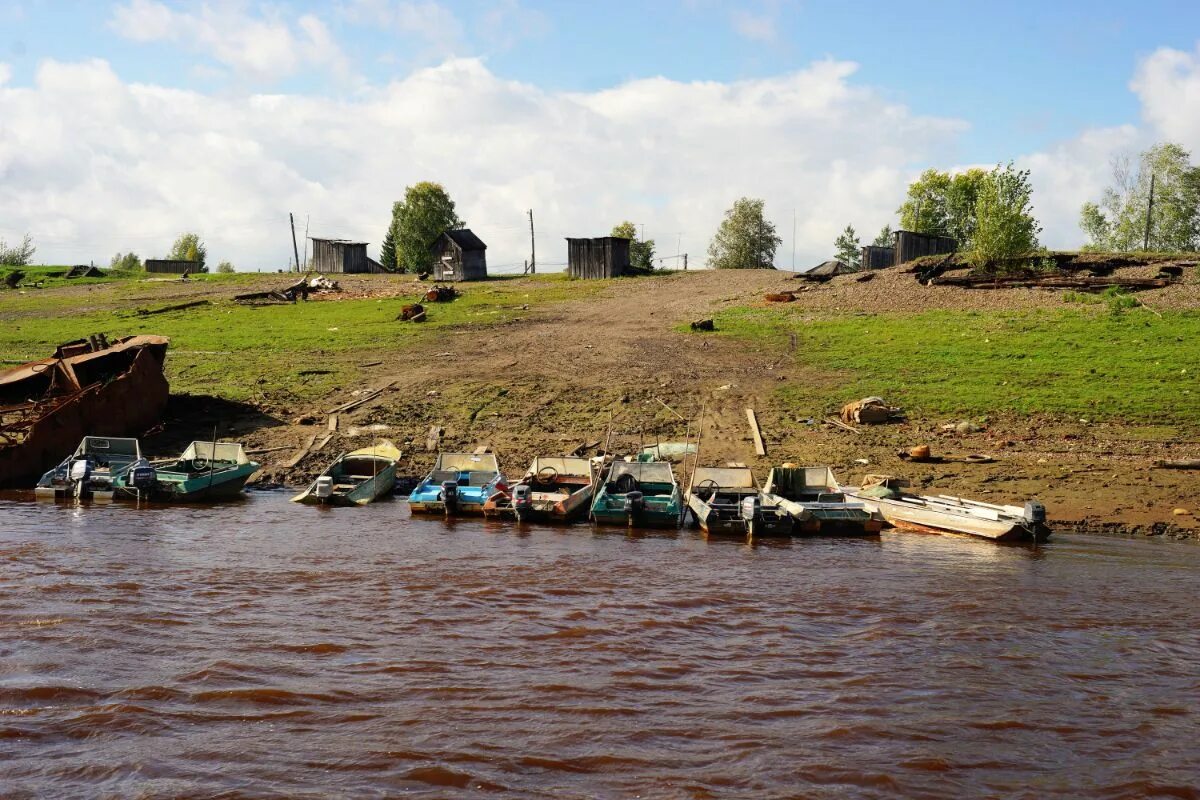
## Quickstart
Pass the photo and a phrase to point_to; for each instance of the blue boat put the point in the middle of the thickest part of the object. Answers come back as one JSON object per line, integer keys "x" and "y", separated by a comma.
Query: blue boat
{"x": 460, "y": 483}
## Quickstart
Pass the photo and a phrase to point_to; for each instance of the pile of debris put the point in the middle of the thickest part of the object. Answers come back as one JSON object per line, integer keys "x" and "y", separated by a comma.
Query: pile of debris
{"x": 1080, "y": 271}
{"x": 300, "y": 290}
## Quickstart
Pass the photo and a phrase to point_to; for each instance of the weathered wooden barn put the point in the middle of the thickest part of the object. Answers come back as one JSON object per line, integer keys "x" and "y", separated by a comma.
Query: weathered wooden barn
{"x": 910, "y": 245}
{"x": 169, "y": 266}
{"x": 876, "y": 257}
{"x": 459, "y": 255}
{"x": 602, "y": 257}
{"x": 342, "y": 255}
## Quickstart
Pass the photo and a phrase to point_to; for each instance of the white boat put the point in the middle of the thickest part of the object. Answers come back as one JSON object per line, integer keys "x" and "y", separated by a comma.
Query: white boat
{"x": 1000, "y": 523}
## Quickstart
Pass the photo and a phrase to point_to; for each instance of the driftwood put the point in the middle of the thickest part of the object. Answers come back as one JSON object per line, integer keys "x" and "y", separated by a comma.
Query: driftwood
{"x": 837, "y": 423}
{"x": 583, "y": 448}
{"x": 358, "y": 401}
{"x": 1187, "y": 463}
{"x": 147, "y": 312}
{"x": 296, "y": 459}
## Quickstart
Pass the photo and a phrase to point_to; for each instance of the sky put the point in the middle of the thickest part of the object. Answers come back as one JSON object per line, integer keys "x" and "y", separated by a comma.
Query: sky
{"x": 123, "y": 124}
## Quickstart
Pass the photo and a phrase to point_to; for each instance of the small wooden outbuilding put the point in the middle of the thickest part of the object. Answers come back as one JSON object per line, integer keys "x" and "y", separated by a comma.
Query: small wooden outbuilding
{"x": 876, "y": 257}
{"x": 459, "y": 255}
{"x": 602, "y": 257}
{"x": 910, "y": 245}
{"x": 168, "y": 266}
{"x": 342, "y": 255}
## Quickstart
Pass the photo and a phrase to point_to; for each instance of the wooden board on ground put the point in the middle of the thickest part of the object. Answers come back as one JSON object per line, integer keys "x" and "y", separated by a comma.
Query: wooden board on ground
{"x": 434, "y": 440}
{"x": 296, "y": 459}
{"x": 759, "y": 448}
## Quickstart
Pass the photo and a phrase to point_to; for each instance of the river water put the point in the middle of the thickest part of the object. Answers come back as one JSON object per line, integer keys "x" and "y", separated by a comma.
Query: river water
{"x": 264, "y": 649}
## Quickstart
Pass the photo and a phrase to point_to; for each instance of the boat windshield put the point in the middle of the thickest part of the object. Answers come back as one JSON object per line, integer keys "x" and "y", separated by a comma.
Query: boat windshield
{"x": 724, "y": 477}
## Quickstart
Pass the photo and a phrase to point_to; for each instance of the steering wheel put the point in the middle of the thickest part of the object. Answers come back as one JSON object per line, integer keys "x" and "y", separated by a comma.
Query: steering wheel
{"x": 199, "y": 464}
{"x": 546, "y": 475}
{"x": 625, "y": 483}
{"x": 708, "y": 485}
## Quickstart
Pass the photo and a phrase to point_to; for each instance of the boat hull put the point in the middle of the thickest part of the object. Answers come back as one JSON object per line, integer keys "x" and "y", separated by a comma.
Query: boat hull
{"x": 910, "y": 515}
{"x": 181, "y": 488}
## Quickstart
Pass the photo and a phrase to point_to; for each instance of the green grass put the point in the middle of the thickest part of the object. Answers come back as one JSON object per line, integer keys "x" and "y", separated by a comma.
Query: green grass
{"x": 249, "y": 353}
{"x": 1134, "y": 366}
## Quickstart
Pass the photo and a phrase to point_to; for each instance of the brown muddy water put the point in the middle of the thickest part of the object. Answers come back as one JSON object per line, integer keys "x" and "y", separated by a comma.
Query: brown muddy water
{"x": 263, "y": 649}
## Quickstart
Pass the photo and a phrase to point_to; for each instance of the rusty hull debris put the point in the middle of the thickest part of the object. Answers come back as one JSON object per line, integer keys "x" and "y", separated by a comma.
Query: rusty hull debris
{"x": 90, "y": 387}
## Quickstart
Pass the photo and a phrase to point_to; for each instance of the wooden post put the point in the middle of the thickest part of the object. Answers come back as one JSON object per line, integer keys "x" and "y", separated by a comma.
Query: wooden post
{"x": 532, "y": 246}
{"x": 685, "y": 262}
{"x": 295, "y": 249}
{"x": 1149, "y": 212}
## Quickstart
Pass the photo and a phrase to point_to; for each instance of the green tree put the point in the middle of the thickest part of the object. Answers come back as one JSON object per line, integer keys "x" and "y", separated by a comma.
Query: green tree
{"x": 387, "y": 250}
{"x": 126, "y": 262}
{"x": 849, "y": 248}
{"x": 18, "y": 255}
{"x": 417, "y": 221}
{"x": 745, "y": 240}
{"x": 225, "y": 268}
{"x": 641, "y": 253}
{"x": 1004, "y": 226}
{"x": 190, "y": 247}
{"x": 885, "y": 238}
{"x": 942, "y": 204}
{"x": 1118, "y": 221}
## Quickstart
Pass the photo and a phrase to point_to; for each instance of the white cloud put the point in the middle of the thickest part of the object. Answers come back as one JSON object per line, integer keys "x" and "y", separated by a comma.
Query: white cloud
{"x": 1072, "y": 172}
{"x": 261, "y": 48}
{"x": 5, "y": 73}
{"x": 431, "y": 22}
{"x": 1168, "y": 85}
{"x": 757, "y": 27}
{"x": 93, "y": 165}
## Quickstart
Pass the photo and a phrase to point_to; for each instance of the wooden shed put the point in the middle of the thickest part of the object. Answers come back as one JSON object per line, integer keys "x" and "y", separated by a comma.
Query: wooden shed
{"x": 910, "y": 245}
{"x": 169, "y": 266}
{"x": 459, "y": 255}
{"x": 876, "y": 257}
{"x": 342, "y": 255}
{"x": 602, "y": 257}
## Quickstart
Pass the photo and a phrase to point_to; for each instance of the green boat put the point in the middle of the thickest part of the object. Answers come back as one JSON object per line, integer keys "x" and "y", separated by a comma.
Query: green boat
{"x": 205, "y": 471}
{"x": 639, "y": 494}
{"x": 355, "y": 479}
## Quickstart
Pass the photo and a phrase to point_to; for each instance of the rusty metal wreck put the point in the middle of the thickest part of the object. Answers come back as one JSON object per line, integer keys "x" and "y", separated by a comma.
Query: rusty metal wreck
{"x": 89, "y": 387}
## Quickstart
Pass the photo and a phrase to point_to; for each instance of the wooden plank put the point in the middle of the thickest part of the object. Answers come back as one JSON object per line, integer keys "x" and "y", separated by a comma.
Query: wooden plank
{"x": 1187, "y": 463}
{"x": 758, "y": 441}
{"x": 332, "y": 425}
{"x": 324, "y": 441}
{"x": 434, "y": 440}
{"x": 483, "y": 448}
{"x": 296, "y": 459}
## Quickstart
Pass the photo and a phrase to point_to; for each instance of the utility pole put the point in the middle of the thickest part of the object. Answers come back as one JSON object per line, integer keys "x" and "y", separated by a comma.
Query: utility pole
{"x": 532, "y": 246}
{"x": 685, "y": 262}
{"x": 295, "y": 248}
{"x": 1149, "y": 211}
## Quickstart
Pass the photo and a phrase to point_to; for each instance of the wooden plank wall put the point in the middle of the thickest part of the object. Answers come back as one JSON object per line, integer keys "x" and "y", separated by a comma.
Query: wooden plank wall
{"x": 602, "y": 257}
{"x": 911, "y": 245}
{"x": 874, "y": 257}
{"x": 170, "y": 267}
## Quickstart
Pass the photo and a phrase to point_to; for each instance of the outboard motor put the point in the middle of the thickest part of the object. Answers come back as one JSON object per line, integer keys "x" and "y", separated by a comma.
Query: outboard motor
{"x": 635, "y": 503}
{"x": 143, "y": 478}
{"x": 1035, "y": 513}
{"x": 81, "y": 470}
{"x": 748, "y": 505}
{"x": 450, "y": 496}
{"x": 324, "y": 487}
{"x": 522, "y": 497}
